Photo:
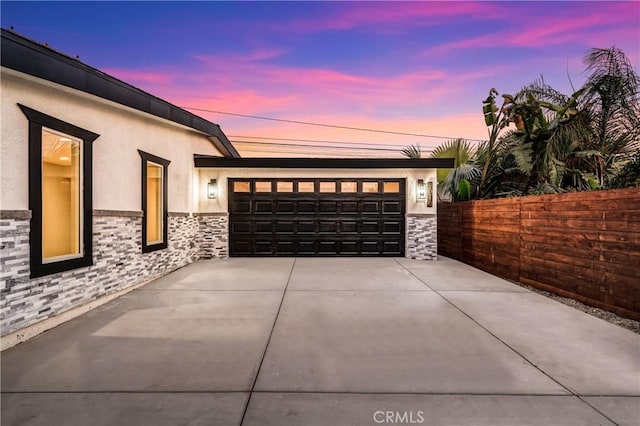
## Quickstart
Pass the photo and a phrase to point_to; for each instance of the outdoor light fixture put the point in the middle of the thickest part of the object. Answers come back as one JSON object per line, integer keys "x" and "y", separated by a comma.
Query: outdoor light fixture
{"x": 421, "y": 190}
{"x": 430, "y": 192}
{"x": 212, "y": 189}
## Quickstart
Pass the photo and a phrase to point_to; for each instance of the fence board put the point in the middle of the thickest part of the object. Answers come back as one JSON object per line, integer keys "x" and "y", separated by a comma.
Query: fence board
{"x": 582, "y": 245}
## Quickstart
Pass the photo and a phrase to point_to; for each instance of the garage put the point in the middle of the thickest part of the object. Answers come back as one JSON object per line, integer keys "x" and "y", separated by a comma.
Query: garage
{"x": 276, "y": 206}
{"x": 316, "y": 217}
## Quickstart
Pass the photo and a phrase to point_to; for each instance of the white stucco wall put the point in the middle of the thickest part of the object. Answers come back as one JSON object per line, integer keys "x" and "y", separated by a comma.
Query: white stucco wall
{"x": 116, "y": 162}
{"x": 220, "y": 204}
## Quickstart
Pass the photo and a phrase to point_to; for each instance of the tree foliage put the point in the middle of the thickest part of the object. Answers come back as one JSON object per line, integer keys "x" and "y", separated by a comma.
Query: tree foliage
{"x": 542, "y": 141}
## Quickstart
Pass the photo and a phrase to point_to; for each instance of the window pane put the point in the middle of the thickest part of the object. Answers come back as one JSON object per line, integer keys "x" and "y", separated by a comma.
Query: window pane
{"x": 61, "y": 196}
{"x": 263, "y": 186}
{"x": 241, "y": 187}
{"x": 370, "y": 187}
{"x": 327, "y": 187}
{"x": 348, "y": 186}
{"x": 392, "y": 187}
{"x": 306, "y": 187}
{"x": 284, "y": 186}
{"x": 154, "y": 203}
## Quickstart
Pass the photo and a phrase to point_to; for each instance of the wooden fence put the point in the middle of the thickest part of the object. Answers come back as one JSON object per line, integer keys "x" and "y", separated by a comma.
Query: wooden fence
{"x": 581, "y": 245}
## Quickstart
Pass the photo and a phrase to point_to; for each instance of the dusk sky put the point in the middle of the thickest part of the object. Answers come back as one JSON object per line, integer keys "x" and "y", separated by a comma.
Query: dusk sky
{"x": 409, "y": 67}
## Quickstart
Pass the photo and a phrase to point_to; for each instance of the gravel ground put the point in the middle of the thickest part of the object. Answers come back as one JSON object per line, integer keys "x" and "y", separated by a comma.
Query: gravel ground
{"x": 596, "y": 312}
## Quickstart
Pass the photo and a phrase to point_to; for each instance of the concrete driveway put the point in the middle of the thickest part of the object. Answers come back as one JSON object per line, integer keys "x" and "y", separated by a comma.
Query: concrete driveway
{"x": 326, "y": 341}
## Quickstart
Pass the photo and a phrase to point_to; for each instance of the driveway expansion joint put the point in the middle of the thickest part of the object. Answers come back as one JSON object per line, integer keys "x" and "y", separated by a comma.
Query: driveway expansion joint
{"x": 264, "y": 353}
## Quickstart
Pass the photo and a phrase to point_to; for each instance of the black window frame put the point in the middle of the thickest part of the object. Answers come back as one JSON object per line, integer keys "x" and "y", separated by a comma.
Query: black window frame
{"x": 38, "y": 120}
{"x": 146, "y": 157}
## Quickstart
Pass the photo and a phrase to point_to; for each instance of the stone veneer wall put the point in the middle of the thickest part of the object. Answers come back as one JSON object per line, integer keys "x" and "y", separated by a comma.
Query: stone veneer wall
{"x": 118, "y": 263}
{"x": 213, "y": 235}
{"x": 422, "y": 236}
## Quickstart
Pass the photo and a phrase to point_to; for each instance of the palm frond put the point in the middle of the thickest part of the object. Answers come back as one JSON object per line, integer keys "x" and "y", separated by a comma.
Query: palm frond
{"x": 412, "y": 151}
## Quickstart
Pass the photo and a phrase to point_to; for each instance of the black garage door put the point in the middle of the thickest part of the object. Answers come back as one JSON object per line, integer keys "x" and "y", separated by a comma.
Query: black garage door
{"x": 316, "y": 217}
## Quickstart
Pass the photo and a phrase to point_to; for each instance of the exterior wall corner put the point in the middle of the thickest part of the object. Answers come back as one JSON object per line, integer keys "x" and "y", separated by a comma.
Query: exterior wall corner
{"x": 422, "y": 237}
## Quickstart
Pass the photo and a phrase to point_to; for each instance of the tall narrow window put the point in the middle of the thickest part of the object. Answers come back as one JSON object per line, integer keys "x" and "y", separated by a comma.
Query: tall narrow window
{"x": 60, "y": 194}
{"x": 154, "y": 202}
{"x": 62, "y": 222}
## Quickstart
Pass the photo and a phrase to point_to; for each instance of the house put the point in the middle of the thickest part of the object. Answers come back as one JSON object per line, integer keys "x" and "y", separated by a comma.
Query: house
{"x": 106, "y": 187}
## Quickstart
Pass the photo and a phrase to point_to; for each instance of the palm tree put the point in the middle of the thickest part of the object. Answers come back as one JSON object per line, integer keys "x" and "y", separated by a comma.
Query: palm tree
{"x": 533, "y": 156}
{"x": 464, "y": 167}
{"x": 612, "y": 108}
{"x": 412, "y": 151}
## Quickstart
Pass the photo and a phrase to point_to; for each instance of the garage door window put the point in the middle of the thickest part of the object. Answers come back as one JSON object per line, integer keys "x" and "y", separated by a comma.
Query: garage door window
{"x": 391, "y": 187}
{"x": 327, "y": 187}
{"x": 284, "y": 186}
{"x": 306, "y": 186}
{"x": 348, "y": 186}
{"x": 242, "y": 186}
{"x": 262, "y": 186}
{"x": 369, "y": 187}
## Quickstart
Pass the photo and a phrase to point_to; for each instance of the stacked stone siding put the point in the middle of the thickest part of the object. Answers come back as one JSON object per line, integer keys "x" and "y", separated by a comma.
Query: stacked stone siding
{"x": 422, "y": 241}
{"x": 213, "y": 235}
{"x": 118, "y": 263}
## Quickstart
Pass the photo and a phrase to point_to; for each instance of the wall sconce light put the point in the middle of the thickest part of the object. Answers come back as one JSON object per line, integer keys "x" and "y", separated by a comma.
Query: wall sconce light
{"x": 212, "y": 189}
{"x": 421, "y": 190}
{"x": 430, "y": 192}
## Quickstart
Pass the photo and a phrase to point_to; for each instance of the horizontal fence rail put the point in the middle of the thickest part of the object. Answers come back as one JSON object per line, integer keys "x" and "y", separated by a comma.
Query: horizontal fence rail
{"x": 582, "y": 245}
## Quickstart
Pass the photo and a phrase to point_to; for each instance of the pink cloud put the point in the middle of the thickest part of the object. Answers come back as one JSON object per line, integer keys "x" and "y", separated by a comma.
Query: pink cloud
{"x": 383, "y": 15}
{"x": 260, "y": 54}
{"x": 243, "y": 101}
{"x": 314, "y": 84}
{"x": 616, "y": 22}
{"x": 348, "y": 84}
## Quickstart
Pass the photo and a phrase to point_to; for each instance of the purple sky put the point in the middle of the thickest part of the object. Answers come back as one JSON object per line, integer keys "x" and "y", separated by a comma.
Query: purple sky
{"x": 411, "y": 67}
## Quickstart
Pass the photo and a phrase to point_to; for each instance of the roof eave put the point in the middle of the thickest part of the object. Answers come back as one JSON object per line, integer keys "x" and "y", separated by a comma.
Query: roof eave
{"x": 26, "y": 56}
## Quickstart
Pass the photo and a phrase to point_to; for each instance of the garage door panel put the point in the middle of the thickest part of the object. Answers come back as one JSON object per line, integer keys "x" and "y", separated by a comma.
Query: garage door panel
{"x": 306, "y": 227}
{"x": 285, "y": 207}
{"x": 370, "y": 207}
{"x": 330, "y": 207}
{"x": 348, "y": 217}
{"x": 392, "y": 227}
{"x": 349, "y": 248}
{"x": 262, "y": 207}
{"x": 328, "y": 247}
{"x": 241, "y": 227}
{"x": 370, "y": 247}
{"x": 326, "y": 227}
{"x": 285, "y": 248}
{"x": 349, "y": 207}
{"x": 391, "y": 247}
{"x": 240, "y": 206}
{"x": 349, "y": 227}
{"x": 307, "y": 248}
{"x": 370, "y": 227}
{"x": 263, "y": 227}
{"x": 241, "y": 248}
{"x": 263, "y": 247}
{"x": 394, "y": 207}
{"x": 306, "y": 206}
{"x": 285, "y": 227}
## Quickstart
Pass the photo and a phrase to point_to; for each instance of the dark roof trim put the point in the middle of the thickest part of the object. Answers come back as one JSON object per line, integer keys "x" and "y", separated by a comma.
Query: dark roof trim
{"x": 29, "y": 57}
{"x": 325, "y": 163}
